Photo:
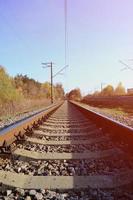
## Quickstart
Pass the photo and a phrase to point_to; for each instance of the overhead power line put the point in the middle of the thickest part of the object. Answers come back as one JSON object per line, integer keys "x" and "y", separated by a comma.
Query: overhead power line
{"x": 66, "y": 30}
{"x": 59, "y": 72}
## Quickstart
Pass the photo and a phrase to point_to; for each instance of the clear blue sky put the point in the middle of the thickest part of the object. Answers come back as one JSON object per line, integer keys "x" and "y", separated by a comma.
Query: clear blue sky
{"x": 100, "y": 33}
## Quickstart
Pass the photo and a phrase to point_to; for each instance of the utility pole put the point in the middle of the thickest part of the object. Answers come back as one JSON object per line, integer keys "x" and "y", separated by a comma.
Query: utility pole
{"x": 51, "y": 82}
{"x": 51, "y": 66}
{"x": 102, "y": 86}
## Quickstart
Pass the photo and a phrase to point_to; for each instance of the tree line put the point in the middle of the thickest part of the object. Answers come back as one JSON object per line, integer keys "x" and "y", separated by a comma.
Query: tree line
{"x": 22, "y": 87}
{"x": 107, "y": 91}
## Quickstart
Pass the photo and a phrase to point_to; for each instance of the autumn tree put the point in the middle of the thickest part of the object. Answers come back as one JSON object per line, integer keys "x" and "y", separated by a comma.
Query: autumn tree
{"x": 108, "y": 91}
{"x": 29, "y": 87}
{"x": 59, "y": 91}
{"x": 74, "y": 94}
{"x": 46, "y": 90}
{"x": 33, "y": 89}
{"x": 120, "y": 90}
{"x": 24, "y": 92}
{"x": 8, "y": 93}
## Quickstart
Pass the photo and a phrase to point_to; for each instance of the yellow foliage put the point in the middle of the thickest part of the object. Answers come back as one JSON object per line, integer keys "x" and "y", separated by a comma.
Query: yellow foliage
{"x": 8, "y": 93}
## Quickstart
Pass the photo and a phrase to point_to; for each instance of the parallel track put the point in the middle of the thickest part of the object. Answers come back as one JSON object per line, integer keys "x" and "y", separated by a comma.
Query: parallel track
{"x": 67, "y": 157}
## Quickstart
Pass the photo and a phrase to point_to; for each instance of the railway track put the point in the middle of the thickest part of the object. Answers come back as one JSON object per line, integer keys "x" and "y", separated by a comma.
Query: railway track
{"x": 65, "y": 154}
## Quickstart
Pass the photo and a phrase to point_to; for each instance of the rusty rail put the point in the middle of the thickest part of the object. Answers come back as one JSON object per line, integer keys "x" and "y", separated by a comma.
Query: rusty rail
{"x": 17, "y": 131}
{"x": 117, "y": 130}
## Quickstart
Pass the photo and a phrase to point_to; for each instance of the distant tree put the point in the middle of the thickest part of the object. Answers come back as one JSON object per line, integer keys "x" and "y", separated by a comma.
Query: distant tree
{"x": 74, "y": 94}
{"x": 46, "y": 90}
{"x": 32, "y": 89}
{"x": 59, "y": 91}
{"x": 120, "y": 90}
{"x": 29, "y": 87}
{"x": 108, "y": 91}
{"x": 15, "y": 92}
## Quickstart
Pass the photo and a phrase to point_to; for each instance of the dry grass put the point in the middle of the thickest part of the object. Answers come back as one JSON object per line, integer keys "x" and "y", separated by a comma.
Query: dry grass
{"x": 115, "y": 111}
{"x": 27, "y": 105}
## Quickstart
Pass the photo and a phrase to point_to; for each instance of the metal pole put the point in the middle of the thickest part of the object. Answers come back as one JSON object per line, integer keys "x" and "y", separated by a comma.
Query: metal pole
{"x": 102, "y": 84}
{"x": 50, "y": 64}
{"x": 51, "y": 83}
{"x": 101, "y": 87}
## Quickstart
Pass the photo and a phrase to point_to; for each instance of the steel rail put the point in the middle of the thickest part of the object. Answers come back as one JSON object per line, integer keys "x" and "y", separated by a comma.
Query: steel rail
{"x": 8, "y": 134}
{"x": 117, "y": 130}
